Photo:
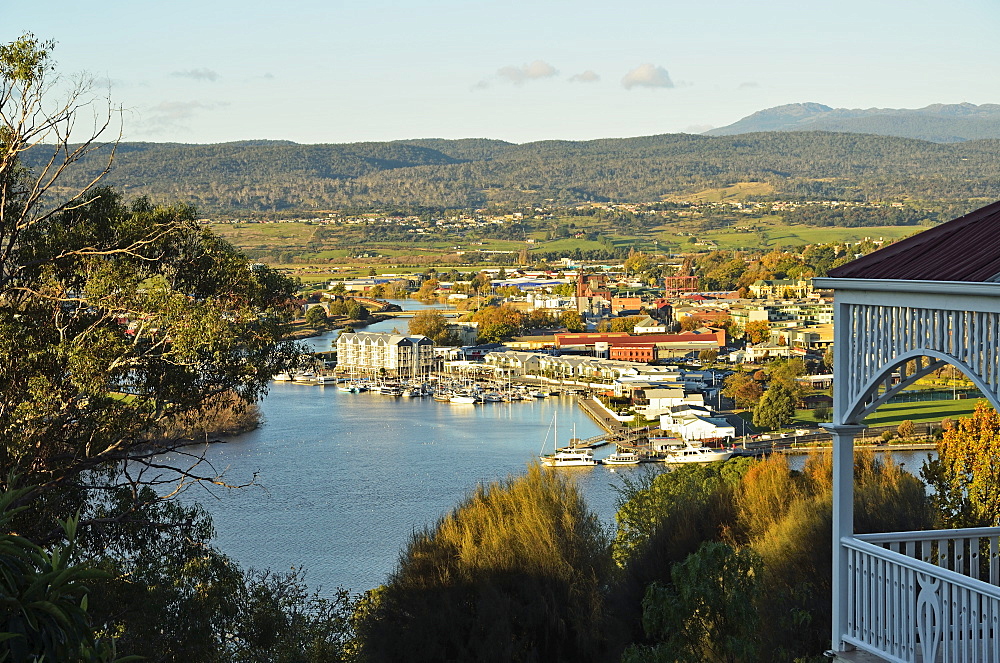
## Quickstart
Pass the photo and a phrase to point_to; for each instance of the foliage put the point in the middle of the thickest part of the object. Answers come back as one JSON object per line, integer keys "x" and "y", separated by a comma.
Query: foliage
{"x": 964, "y": 477}
{"x": 45, "y": 596}
{"x": 432, "y": 324}
{"x": 316, "y": 315}
{"x": 772, "y": 520}
{"x": 572, "y": 321}
{"x": 906, "y": 429}
{"x": 743, "y": 389}
{"x": 707, "y": 613}
{"x": 757, "y": 331}
{"x": 514, "y": 573}
{"x": 775, "y": 409}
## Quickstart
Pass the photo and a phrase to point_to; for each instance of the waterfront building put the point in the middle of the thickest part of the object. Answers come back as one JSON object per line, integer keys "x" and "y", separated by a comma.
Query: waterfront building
{"x": 382, "y": 354}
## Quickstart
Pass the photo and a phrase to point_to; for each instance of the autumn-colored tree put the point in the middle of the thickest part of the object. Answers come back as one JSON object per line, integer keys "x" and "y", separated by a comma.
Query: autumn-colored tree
{"x": 572, "y": 321}
{"x": 426, "y": 291}
{"x": 756, "y": 331}
{"x": 743, "y": 389}
{"x": 965, "y": 478}
{"x": 906, "y": 429}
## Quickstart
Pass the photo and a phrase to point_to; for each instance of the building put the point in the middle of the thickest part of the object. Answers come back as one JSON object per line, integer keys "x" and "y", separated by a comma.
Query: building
{"x": 913, "y": 307}
{"x": 780, "y": 289}
{"x": 385, "y": 355}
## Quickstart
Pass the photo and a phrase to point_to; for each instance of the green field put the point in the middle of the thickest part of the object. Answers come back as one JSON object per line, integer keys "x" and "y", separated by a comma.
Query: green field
{"x": 893, "y": 414}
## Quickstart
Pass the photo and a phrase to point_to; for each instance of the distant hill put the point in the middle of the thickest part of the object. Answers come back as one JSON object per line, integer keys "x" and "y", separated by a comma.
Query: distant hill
{"x": 274, "y": 176}
{"x": 939, "y": 123}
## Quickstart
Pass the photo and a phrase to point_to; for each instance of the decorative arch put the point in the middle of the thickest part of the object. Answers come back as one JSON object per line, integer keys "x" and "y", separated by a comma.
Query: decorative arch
{"x": 880, "y": 330}
{"x": 881, "y": 389}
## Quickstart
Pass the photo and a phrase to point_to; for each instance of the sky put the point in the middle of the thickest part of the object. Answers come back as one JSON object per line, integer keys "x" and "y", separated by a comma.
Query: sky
{"x": 336, "y": 71}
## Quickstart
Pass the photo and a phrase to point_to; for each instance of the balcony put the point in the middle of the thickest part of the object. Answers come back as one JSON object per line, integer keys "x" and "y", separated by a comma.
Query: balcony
{"x": 922, "y": 596}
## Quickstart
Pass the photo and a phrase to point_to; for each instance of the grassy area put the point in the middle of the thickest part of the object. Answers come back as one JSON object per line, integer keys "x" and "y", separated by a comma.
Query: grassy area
{"x": 893, "y": 414}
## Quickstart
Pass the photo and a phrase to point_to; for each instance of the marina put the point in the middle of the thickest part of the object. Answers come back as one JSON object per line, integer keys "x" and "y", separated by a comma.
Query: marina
{"x": 341, "y": 480}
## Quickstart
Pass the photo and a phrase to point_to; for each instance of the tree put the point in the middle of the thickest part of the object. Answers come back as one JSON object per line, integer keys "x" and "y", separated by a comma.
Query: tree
{"x": 743, "y": 389}
{"x": 756, "y": 331}
{"x": 572, "y": 321}
{"x": 116, "y": 319}
{"x": 963, "y": 477}
{"x": 432, "y": 324}
{"x": 775, "y": 409}
{"x": 709, "y": 611}
{"x": 316, "y": 316}
{"x": 906, "y": 429}
{"x": 708, "y": 355}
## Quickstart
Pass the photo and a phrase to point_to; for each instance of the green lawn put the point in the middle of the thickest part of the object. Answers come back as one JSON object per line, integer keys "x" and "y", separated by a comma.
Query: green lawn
{"x": 927, "y": 411}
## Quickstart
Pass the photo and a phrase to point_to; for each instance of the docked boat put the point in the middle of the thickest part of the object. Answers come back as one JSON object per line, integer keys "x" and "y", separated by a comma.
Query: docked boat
{"x": 283, "y": 377}
{"x": 442, "y": 396}
{"x": 693, "y": 454}
{"x": 326, "y": 379}
{"x": 462, "y": 397}
{"x": 622, "y": 458}
{"x": 306, "y": 376}
{"x": 390, "y": 390}
{"x": 570, "y": 458}
{"x": 539, "y": 394}
{"x": 492, "y": 397}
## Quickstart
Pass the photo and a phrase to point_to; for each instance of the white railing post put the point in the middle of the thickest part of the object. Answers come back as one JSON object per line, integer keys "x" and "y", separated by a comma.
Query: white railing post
{"x": 843, "y": 524}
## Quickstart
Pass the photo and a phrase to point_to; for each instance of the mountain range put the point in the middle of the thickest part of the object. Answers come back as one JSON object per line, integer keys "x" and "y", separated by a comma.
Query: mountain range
{"x": 939, "y": 123}
{"x": 281, "y": 176}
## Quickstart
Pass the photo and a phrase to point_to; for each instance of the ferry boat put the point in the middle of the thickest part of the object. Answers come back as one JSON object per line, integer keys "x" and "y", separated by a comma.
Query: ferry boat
{"x": 390, "y": 390}
{"x": 570, "y": 458}
{"x": 692, "y": 454}
{"x": 622, "y": 458}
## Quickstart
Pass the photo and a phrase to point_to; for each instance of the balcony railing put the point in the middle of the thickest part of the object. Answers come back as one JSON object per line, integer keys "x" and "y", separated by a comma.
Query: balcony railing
{"x": 925, "y": 596}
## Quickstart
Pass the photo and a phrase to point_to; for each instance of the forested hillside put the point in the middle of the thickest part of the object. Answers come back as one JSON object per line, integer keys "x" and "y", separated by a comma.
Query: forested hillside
{"x": 276, "y": 176}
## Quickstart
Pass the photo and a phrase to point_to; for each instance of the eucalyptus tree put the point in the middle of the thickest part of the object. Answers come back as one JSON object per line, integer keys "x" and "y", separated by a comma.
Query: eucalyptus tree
{"x": 115, "y": 317}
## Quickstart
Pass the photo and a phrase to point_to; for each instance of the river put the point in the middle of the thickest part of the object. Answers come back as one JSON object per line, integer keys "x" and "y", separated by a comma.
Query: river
{"x": 342, "y": 480}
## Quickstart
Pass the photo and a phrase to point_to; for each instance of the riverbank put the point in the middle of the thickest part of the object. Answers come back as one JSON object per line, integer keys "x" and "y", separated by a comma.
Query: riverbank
{"x": 303, "y": 331}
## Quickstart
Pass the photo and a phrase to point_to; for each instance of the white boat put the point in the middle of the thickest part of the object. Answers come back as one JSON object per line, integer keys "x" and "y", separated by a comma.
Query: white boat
{"x": 622, "y": 458}
{"x": 539, "y": 394}
{"x": 692, "y": 454}
{"x": 442, "y": 396}
{"x": 570, "y": 458}
{"x": 463, "y": 398}
{"x": 282, "y": 377}
{"x": 492, "y": 397}
{"x": 326, "y": 379}
{"x": 306, "y": 376}
{"x": 390, "y": 390}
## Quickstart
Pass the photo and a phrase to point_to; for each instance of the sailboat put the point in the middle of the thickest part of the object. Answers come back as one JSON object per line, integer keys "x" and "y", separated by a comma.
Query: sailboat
{"x": 567, "y": 457}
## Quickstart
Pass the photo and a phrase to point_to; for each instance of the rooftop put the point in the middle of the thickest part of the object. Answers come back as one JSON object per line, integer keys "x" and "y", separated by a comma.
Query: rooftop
{"x": 964, "y": 249}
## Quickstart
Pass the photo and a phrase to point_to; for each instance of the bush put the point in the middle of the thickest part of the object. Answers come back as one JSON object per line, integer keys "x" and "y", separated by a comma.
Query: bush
{"x": 514, "y": 573}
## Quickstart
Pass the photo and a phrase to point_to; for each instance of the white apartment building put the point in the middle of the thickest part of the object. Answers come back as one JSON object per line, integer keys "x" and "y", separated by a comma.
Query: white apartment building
{"x": 378, "y": 353}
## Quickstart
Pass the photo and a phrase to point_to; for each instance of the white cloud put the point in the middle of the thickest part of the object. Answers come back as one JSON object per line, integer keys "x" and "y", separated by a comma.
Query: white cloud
{"x": 647, "y": 75}
{"x": 169, "y": 115}
{"x": 588, "y": 76}
{"x": 203, "y": 74}
{"x": 536, "y": 70}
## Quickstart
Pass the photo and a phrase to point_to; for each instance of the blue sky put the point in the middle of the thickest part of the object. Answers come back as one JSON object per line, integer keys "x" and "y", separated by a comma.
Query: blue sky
{"x": 332, "y": 71}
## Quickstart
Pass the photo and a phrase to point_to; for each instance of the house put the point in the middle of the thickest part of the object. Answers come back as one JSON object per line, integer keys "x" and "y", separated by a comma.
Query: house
{"x": 693, "y": 423}
{"x": 648, "y": 325}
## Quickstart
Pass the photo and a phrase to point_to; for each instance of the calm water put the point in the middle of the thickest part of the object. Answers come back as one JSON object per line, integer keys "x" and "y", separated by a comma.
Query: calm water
{"x": 343, "y": 479}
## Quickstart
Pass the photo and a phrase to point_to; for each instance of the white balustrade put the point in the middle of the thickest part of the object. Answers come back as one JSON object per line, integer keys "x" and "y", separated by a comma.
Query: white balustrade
{"x": 925, "y": 596}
